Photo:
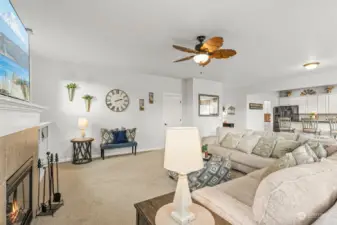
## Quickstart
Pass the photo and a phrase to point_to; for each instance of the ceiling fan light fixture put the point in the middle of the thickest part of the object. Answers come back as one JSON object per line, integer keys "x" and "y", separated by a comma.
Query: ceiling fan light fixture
{"x": 201, "y": 58}
{"x": 311, "y": 66}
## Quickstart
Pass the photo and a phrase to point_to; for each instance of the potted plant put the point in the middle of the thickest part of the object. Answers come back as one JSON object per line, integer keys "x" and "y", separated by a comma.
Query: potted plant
{"x": 313, "y": 115}
{"x": 204, "y": 150}
{"x": 71, "y": 90}
{"x": 87, "y": 98}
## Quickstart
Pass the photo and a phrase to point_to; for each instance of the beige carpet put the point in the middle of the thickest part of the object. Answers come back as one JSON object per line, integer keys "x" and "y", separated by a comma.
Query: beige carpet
{"x": 104, "y": 192}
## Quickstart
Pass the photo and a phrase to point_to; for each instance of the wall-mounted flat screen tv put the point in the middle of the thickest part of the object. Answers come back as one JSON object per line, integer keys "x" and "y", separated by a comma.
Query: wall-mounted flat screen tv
{"x": 14, "y": 54}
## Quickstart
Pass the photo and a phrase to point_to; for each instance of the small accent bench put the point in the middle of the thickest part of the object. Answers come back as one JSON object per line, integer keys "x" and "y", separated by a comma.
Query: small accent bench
{"x": 132, "y": 144}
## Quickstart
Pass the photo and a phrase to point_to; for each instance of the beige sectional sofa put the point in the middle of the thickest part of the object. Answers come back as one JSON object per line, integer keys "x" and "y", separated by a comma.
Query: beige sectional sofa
{"x": 301, "y": 195}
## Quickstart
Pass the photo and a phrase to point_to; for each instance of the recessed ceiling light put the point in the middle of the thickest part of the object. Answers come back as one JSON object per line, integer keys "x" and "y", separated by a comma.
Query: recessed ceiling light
{"x": 311, "y": 66}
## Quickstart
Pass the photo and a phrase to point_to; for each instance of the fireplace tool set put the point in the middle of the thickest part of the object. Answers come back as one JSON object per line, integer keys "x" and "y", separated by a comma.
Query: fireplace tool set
{"x": 55, "y": 201}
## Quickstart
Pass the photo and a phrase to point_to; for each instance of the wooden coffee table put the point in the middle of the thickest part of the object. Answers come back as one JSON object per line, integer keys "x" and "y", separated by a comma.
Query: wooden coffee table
{"x": 146, "y": 210}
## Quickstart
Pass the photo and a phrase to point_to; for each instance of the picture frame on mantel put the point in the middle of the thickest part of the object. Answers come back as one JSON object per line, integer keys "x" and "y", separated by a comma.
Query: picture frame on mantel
{"x": 208, "y": 105}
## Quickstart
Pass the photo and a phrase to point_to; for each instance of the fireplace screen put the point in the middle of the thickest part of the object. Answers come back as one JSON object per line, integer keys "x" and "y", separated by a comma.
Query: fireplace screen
{"x": 19, "y": 196}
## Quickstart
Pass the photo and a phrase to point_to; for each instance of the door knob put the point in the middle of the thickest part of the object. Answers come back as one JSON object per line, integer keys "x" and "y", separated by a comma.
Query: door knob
{"x": 165, "y": 124}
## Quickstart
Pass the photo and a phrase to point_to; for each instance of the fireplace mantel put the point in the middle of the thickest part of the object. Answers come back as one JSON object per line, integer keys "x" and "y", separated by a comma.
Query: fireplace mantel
{"x": 11, "y": 104}
{"x": 17, "y": 115}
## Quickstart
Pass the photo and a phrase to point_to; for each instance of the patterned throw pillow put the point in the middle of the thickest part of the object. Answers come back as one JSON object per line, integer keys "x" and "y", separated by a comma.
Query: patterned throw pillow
{"x": 265, "y": 146}
{"x": 283, "y": 147}
{"x": 215, "y": 171}
{"x": 301, "y": 155}
{"x": 107, "y": 136}
{"x": 231, "y": 140}
{"x": 131, "y": 134}
{"x": 247, "y": 143}
{"x": 284, "y": 162}
{"x": 304, "y": 155}
{"x": 319, "y": 149}
{"x": 287, "y": 135}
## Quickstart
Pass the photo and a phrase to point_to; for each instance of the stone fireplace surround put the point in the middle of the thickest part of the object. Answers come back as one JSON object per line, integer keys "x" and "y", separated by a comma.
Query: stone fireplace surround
{"x": 19, "y": 125}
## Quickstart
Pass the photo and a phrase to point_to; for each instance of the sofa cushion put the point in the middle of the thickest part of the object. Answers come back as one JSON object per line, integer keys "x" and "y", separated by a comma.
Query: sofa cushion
{"x": 331, "y": 149}
{"x": 264, "y": 133}
{"x": 303, "y": 138}
{"x": 284, "y": 146}
{"x": 231, "y": 140}
{"x": 242, "y": 167}
{"x": 223, "y": 131}
{"x": 328, "y": 218}
{"x": 210, "y": 140}
{"x": 284, "y": 162}
{"x": 247, "y": 143}
{"x": 296, "y": 195}
{"x": 242, "y": 189}
{"x": 250, "y": 160}
{"x": 287, "y": 135}
{"x": 265, "y": 146}
{"x": 227, "y": 207}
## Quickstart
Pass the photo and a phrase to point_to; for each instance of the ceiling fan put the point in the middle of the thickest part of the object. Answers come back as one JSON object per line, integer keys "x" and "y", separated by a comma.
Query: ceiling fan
{"x": 205, "y": 51}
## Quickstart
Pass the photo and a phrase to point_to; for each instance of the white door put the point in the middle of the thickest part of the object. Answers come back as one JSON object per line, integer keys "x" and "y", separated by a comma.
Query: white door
{"x": 172, "y": 110}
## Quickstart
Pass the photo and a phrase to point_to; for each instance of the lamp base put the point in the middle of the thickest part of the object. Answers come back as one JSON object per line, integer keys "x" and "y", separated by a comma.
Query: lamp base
{"x": 202, "y": 216}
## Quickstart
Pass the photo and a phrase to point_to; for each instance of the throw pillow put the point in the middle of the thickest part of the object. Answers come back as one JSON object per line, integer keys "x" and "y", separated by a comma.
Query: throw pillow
{"x": 303, "y": 155}
{"x": 284, "y": 162}
{"x": 247, "y": 143}
{"x": 283, "y": 147}
{"x": 263, "y": 133}
{"x": 318, "y": 149}
{"x": 231, "y": 140}
{"x": 107, "y": 137}
{"x": 331, "y": 149}
{"x": 303, "y": 138}
{"x": 131, "y": 134}
{"x": 215, "y": 171}
{"x": 121, "y": 137}
{"x": 115, "y": 133}
{"x": 265, "y": 146}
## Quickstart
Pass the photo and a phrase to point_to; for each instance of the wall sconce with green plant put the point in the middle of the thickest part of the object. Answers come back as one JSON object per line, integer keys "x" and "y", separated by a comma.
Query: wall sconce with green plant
{"x": 88, "y": 98}
{"x": 71, "y": 90}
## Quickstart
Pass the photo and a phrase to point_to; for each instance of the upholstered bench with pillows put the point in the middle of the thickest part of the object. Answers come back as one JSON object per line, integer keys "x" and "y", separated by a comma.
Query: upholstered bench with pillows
{"x": 118, "y": 138}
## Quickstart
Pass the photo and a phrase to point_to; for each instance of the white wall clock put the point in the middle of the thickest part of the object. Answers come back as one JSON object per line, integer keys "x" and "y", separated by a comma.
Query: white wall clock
{"x": 117, "y": 100}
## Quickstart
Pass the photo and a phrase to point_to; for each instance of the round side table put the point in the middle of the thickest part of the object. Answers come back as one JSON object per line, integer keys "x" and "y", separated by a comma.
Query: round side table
{"x": 82, "y": 150}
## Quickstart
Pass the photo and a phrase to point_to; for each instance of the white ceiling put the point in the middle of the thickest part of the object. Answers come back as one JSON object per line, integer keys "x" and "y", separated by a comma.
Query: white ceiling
{"x": 273, "y": 38}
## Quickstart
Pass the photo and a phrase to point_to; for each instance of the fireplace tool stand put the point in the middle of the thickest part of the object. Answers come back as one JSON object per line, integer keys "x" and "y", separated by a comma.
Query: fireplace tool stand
{"x": 50, "y": 206}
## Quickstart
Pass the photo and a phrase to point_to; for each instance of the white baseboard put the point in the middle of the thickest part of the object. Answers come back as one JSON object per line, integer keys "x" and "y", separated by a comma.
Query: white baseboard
{"x": 113, "y": 153}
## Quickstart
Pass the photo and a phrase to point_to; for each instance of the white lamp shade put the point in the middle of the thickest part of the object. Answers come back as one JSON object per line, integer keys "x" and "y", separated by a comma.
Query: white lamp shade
{"x": 201, "y": 58}
{"x": 183, "y": 150}
{"x": 82, "y": 123}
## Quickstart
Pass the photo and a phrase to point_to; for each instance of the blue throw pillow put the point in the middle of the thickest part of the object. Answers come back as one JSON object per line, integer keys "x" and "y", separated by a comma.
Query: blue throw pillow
{"x": 121, "y": 137}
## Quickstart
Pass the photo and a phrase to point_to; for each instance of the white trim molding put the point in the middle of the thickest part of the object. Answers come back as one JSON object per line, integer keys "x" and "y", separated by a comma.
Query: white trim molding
{"x": 11, "y": 104}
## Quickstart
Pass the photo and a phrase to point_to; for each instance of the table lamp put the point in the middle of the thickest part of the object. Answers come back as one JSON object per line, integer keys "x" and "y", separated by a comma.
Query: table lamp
{"x": 82, "y": 124}
{"x": 183, "y": 155}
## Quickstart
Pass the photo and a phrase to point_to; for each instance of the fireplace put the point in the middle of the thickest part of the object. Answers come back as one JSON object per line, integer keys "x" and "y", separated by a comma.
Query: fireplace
{"x": 19, "y": 195}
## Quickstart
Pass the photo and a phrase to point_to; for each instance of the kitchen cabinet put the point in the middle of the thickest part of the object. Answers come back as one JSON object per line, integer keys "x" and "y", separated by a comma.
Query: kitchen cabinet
{"x": 322, "y": 104}
{"x": 284, "y": 101}
{"x": 300, "y": 101}
{"x": 312, "y": 104}
{"x": 332, "y": 99}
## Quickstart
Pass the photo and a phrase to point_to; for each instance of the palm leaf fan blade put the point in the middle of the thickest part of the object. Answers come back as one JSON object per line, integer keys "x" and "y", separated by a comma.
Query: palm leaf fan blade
{"x": 183, "y": 49}
{"x": 184, "y": 59}
{"x": 212, "y": 44}
{"x": 223, "y": 53}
